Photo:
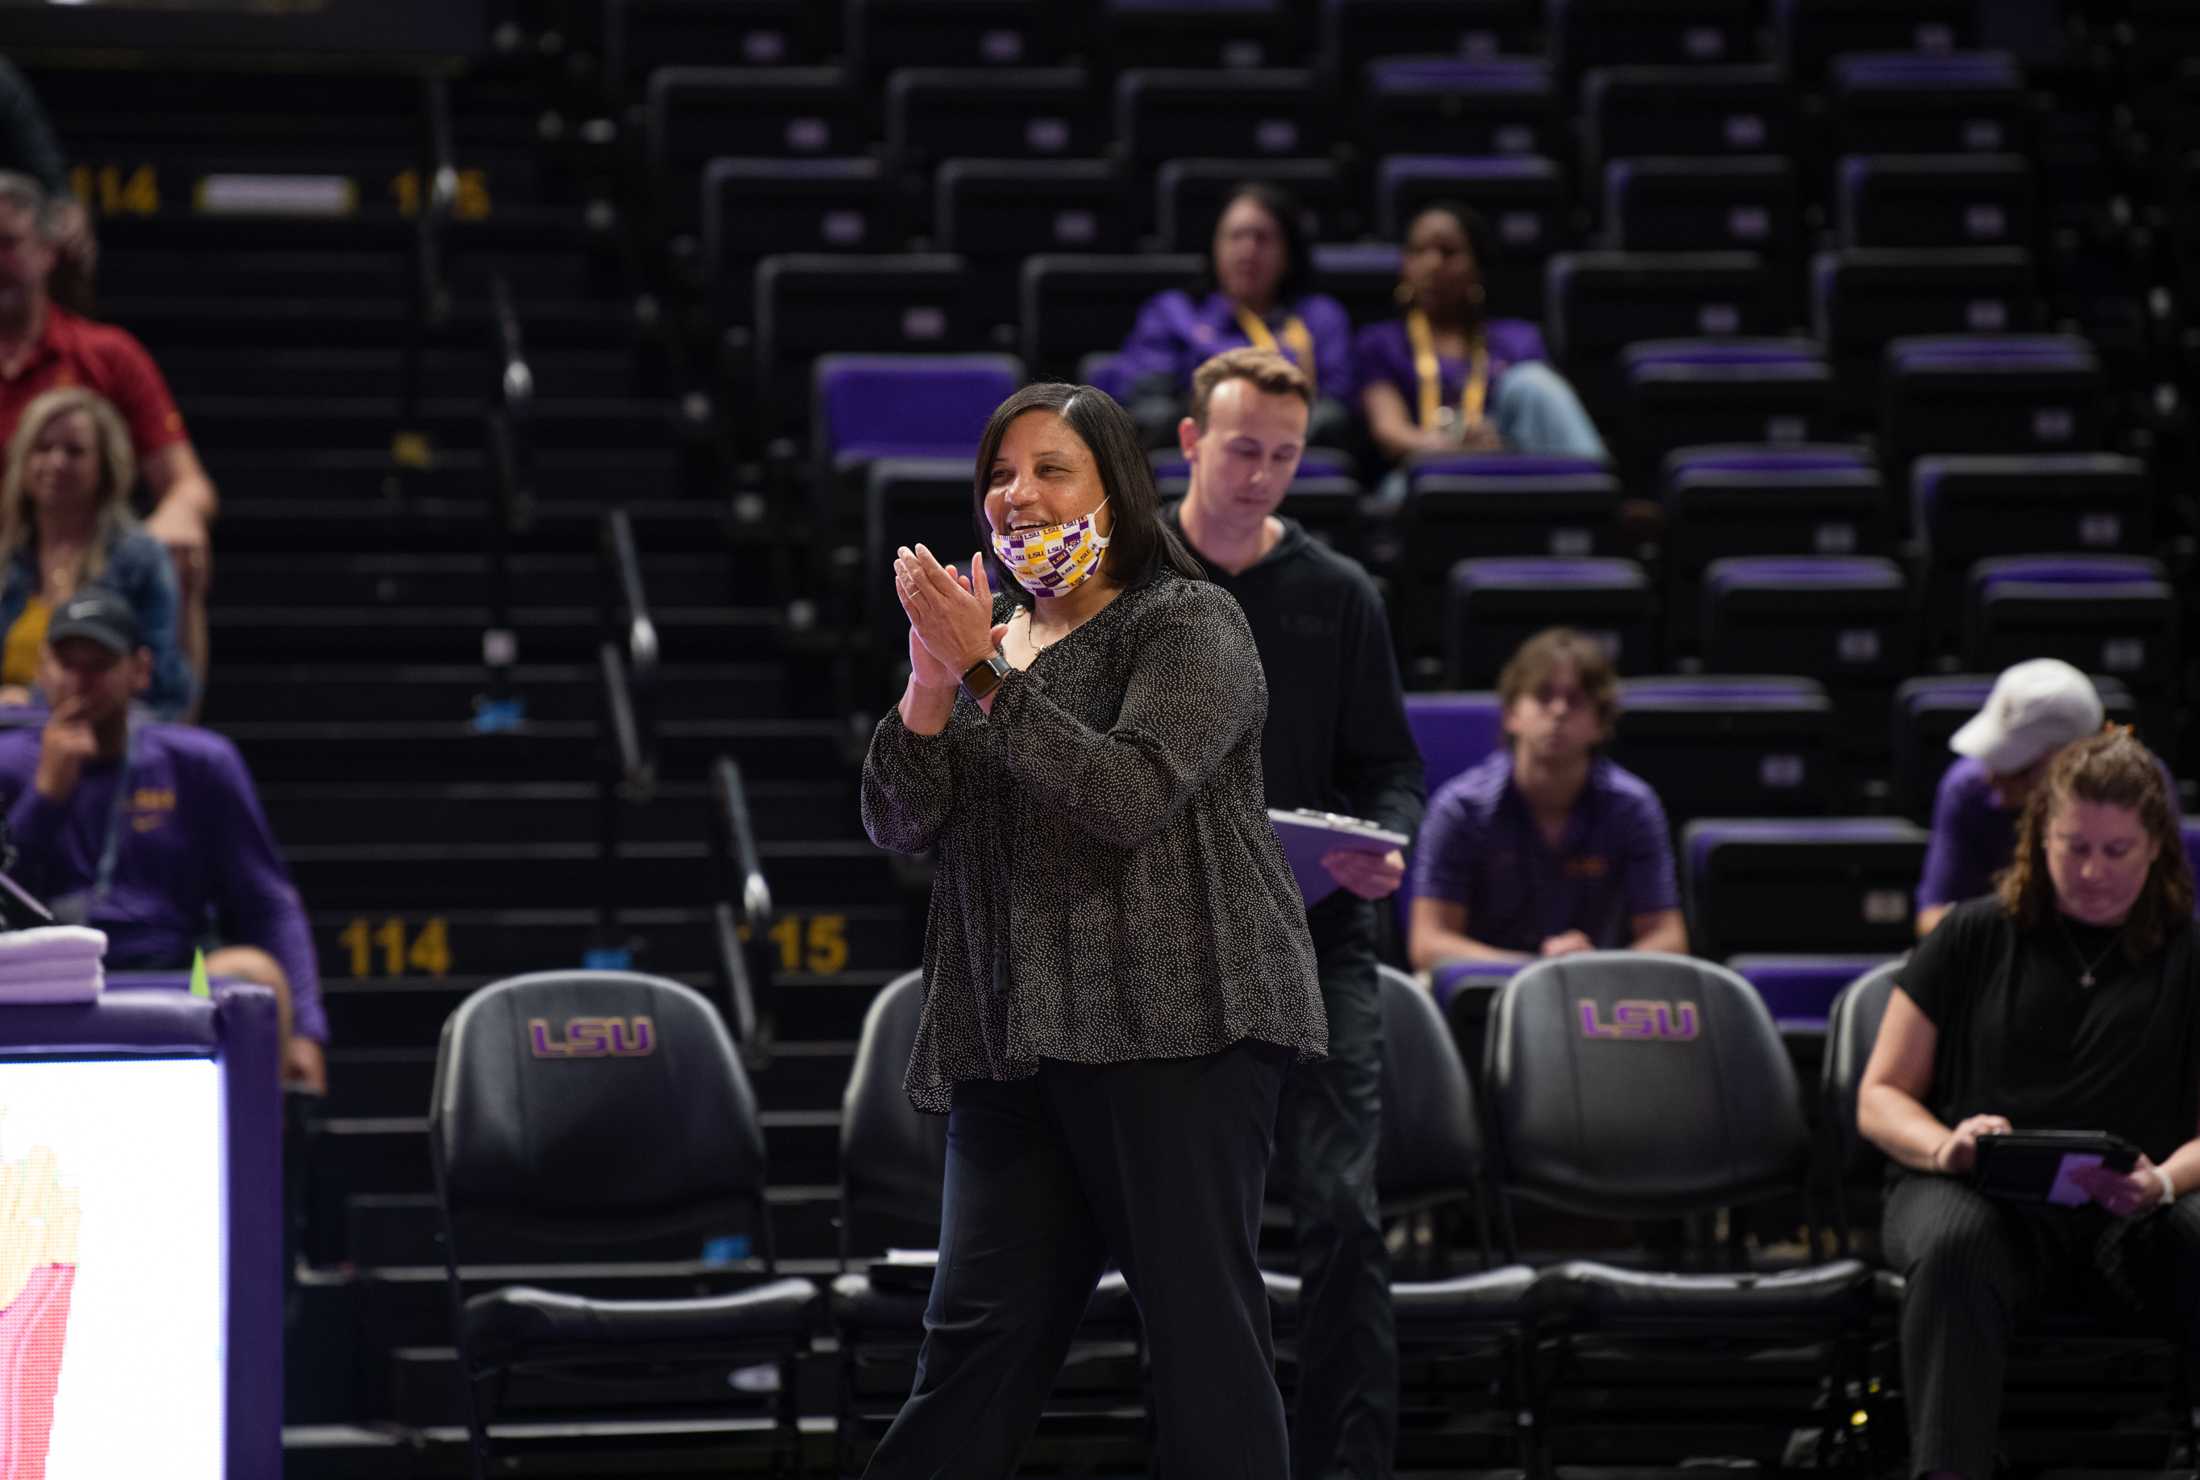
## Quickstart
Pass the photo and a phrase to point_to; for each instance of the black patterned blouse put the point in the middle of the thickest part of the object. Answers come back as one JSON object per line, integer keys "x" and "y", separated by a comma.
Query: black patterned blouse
{"x": 1107, "y": 884}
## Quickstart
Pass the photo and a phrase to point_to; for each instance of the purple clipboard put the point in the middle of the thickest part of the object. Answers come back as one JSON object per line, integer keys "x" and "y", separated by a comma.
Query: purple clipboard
{"x": 1306, "y": 835}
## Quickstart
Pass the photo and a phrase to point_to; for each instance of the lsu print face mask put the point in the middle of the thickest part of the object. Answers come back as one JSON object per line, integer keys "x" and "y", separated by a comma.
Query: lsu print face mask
{"x": 1054, "y": 559}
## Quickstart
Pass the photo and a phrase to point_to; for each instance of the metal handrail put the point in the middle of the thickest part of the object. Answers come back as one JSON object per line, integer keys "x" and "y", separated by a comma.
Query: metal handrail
{"x": 629, "y": 653}
{"x": 627, "y": 656}
{"x": 431, "y": 306}
{"x": 511, "y": 464}
{"x": 742, "y": 916}
{"x": 736, "y": 838}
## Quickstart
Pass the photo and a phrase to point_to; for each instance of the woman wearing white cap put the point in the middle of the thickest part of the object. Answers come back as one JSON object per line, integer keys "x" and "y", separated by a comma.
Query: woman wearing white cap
{"x": 2036, "y": 709}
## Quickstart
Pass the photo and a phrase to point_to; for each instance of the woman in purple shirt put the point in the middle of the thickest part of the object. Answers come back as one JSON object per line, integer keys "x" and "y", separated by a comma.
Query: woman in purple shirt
{"x": 1254, "y": 292}
{"x": 1446, "y": 378}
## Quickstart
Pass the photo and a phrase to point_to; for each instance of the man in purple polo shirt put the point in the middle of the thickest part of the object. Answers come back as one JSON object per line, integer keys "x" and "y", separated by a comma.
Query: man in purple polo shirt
{"x": 1546, "y": 848}
{"x": 152, "y": 832}
{"x": 2035, "y": 709}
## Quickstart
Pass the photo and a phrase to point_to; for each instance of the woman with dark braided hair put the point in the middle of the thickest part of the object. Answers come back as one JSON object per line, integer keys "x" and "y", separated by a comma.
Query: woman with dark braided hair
{"x": 2066, "y": 1000}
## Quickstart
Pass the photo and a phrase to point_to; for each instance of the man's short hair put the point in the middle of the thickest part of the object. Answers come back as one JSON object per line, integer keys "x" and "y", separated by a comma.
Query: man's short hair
{"x": 1535, "y": 660}
{"x": 22, "y": 193}
{"x": 1270, "y": 373}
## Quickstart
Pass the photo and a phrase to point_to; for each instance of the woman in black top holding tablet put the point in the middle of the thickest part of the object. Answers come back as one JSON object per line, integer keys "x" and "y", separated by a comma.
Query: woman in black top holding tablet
{"x": 2066, "y": 1000}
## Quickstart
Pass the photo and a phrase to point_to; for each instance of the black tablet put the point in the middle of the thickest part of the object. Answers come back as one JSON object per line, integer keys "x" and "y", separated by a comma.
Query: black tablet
{"x": 2036, "y": 1166}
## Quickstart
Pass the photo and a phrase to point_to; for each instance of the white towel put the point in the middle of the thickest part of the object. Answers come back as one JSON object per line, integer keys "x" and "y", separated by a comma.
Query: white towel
{"x": 81, "y": 986}
{"x": 53, "y": 943}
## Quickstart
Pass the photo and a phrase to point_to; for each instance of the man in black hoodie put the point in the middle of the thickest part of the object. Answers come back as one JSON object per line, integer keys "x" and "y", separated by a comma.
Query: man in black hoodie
{"x": 1336, "y": 740}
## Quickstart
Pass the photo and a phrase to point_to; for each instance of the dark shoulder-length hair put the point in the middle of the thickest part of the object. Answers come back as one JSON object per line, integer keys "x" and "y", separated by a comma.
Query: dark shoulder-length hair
{"x": 1481, "y": 241}
{"x": 1290, "y": 217}
{"x": 1140, "y": 545}
{"x": 2110, "y": 769}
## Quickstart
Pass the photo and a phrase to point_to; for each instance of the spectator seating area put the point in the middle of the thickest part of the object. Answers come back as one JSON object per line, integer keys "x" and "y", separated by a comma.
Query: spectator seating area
{"x": 1880, "y": 307}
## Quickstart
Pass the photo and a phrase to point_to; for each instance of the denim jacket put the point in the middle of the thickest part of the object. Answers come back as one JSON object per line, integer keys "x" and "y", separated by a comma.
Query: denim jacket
{"x": 139, "y": 571}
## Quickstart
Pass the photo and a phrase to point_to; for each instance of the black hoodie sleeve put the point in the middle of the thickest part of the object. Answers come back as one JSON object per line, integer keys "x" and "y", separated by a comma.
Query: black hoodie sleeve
{"x": 1378, "y": 765}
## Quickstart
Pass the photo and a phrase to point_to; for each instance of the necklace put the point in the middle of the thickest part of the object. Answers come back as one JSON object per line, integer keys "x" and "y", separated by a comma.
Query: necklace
{"x": 2087, "y": 968}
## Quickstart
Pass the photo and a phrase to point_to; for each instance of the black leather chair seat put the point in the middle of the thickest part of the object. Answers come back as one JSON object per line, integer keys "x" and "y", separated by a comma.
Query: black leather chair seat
{"x": 861, "y": 1307}
{"x": 1819, "y": 1292}
{"x": 520, "y": 1320}
{"x": 1487, "y": 1297}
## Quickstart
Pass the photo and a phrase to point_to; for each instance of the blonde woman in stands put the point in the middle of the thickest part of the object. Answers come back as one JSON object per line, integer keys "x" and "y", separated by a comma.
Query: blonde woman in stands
{"x": 2068, "y": 999}
{"x": 65, "y": 526}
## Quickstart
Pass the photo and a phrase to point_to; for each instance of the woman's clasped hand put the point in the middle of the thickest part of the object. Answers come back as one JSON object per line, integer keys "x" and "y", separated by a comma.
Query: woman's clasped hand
{"x": 951, "y": 625}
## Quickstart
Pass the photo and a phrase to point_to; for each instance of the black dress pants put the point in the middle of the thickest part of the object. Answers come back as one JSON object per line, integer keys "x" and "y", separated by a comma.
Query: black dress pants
{"x": 1344, "y": 1415}
{"x": 1161, "y": 1163}
{"x": 1976, "y": 1265}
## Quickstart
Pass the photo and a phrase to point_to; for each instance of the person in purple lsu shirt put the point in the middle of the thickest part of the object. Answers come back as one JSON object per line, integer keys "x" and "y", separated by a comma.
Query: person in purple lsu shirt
{"x": 1255, "y": 292}
{"x": 153, "y": 832}
{"x": 1446, "y": 377}
{"x": 1546, "y": 848}
{"x": 2035, "y": 709}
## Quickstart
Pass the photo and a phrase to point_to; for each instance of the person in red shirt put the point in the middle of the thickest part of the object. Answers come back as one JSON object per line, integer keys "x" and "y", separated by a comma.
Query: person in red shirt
{"x": 43, "y": 345}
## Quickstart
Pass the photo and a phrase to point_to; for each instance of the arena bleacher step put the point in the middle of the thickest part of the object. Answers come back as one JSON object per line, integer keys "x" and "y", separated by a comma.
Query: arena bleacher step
{"x": 549, "y": 691}
{"x": 452, "y": 634}
{"x": 519, "y": 812}
{"x": 551, "y": 750}
{"x": 804, "y": 875}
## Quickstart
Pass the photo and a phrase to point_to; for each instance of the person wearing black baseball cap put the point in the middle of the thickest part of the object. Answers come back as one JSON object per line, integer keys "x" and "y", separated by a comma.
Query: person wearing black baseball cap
{"x": 148, "y": 830}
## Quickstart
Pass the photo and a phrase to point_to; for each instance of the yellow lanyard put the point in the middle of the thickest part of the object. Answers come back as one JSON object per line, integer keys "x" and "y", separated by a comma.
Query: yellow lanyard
{"x": 1430, "y": 376}
{"x": 1294, "y": 333}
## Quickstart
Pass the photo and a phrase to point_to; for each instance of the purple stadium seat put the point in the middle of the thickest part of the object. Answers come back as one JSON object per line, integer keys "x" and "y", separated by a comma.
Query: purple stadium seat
{"x": 1233, "y": 34}
{"x": 1523, "y": 197}
{"x": 998, "y": 211}
{"x": 812, "y": 304}
{"x": 752, "y": 208}
{"x": 1598, "y": 303}
{"x": 1811, "y": 33}
{"x": 1916, "y": 103}
{"x": 697, "y": 114}
{"x": 1935, "y": 200}
{"x": 1928, "y": 710}
{"x": 935, "y": 113}
{"x": 1453, "y": 731}
{"x": 2114, "y": 614}
{"x": 1991, "y": 393}
{"x": 1697, "y": 112}
{"x": 643, "y": 36}
{"x": 1612, "y": 33}
{"x": 873, "y": 406}
{"x": 1478, "y": 105}
{"x": 1693, "y": 392}
{"x": 1358, "y": 35}
{"x": 1967, "y": 509}
{"x": 1840, "y": 885}
{"x": 884, "y": 35}
{"x": 1363, "y": 276}
{"x": 1731, "y": 501}
{"x": 1745, "y": 204}
{"x": 1491, "y": 606}
{"x": 1077, "y": 305}
{"x": 1492, "y": 504}
{"x": 1280, "y": 114}
{"x": 1727, "y": 746}
{"x": 1864, "y": 298}
{"x": 1842, "y": 618}
{"x": 1800, "y": 989}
